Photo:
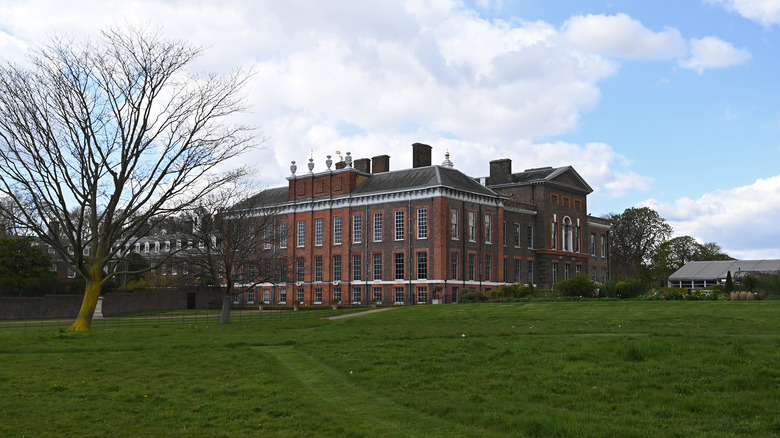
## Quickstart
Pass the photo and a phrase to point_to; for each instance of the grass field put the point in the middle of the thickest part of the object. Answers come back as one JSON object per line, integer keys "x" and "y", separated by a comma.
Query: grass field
{"x": 596, "y": 368}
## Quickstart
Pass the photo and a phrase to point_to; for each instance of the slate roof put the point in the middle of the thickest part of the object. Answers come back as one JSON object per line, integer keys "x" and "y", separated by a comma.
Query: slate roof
{"x": 421, "y": 178}
{"x": 715, "y": 270}
{"x": 549, "y": 175}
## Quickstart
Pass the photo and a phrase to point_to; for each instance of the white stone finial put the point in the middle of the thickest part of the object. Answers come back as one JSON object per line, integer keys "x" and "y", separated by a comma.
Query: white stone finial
{"x": 447, "y": 162}
{"x": 311, "y": 165}
{"x": 293, "y": 168}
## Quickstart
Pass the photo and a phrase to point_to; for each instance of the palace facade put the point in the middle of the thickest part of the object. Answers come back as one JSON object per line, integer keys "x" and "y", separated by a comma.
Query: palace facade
{"x": 358, "y": 232}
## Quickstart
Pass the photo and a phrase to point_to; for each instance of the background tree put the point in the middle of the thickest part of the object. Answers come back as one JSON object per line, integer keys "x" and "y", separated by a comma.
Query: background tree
{"x": 20, "y": 263}
{"x": 238, "y": 244}
{"x": 109, "y": 137}
{"x": 673, "y": 254}
{"x": 635, "y": 235}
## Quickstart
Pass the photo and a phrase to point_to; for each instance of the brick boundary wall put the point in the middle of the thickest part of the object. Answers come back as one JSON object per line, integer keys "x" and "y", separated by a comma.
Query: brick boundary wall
{"x": 67, "y": 306}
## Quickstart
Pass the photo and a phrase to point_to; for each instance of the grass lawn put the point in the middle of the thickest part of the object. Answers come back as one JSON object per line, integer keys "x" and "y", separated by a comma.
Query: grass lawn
{"x": 596, "y": 368}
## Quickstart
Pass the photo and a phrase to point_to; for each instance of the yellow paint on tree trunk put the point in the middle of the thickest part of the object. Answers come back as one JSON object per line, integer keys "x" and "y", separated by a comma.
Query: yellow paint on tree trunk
{"x": 91, "y": 294}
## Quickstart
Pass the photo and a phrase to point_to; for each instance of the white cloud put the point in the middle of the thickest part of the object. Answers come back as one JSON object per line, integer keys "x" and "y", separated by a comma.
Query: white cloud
{"x": 621, "y": 36}
{"x": 711, "y": 52}
{"x": 742, "y": 220}
{"x": 764, "y": 12}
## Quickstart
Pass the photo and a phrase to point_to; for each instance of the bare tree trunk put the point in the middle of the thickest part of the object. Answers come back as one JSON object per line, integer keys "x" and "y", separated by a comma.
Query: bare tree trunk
{"x": 224, "y": 317}
{"x": 91, "y": 294}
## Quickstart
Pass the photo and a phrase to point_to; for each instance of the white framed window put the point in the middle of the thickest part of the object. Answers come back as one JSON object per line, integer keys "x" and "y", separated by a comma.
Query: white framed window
{"x": 488, "y": 267}
{"x": 336, "y": 294}
{"x": 593, "y": 247}
{"x": 530, "y": 232}
{"x": 318, "y": 231}
{"x": 318, "y": 268}
{"x": 282, "y": 296}
{"x": 454, "y": 265}
{"x": 357, "y": 267}
{"x": 268, "y": 233}
{"x": 267, "y": 296}
{"x": 356, "y": 295}
{"x": 422, "y": 223}
{"x": 299, "y": 294}
{"x": 167, "y": 246}
{"x": 301, "y": 234}
{"x": 454, "y": 224}
{"x": 488, "y": 228}
{"x": 517, "y": 235}
{"x": 250, "y": 298}
{"x": 422, "y": 294}
{"x": 283, "y": 235}
{"x": 378, "y": 227}
{"x": 422, "y": 265}
{"x": 603, "y": 246}
{"x": 377, "y": 267}
{"x": 400, "y": 226}
{"x": 337, "y": 230}
{"x": 336, "y": 268}
{"x": 399, "y": 265}
{"x": 472, "y": 227}
{"x": 317, "y": 295}
{"x": 568, "y": 229}
{"x": 357, "y": 228}
{"x": 398, "y": 295}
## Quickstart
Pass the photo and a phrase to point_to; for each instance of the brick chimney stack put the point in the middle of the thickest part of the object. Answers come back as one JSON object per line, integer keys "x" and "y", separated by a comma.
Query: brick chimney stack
{"x": 381, "y": 163}
{"x": 421, "y": 155}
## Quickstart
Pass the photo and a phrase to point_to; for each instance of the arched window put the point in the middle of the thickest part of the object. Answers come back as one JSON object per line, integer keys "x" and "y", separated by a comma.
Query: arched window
{"x": 567, "y": 234}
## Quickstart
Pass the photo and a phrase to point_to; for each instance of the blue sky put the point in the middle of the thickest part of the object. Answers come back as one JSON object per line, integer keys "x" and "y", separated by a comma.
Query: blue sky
{"x": 667, "y": 104}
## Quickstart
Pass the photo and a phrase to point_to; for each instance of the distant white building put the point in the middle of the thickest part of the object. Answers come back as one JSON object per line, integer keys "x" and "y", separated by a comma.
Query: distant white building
{"x": 696, "y": 275}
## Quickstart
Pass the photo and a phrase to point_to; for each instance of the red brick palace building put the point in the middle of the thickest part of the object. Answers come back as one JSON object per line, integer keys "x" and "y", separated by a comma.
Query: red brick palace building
{"x": 360, "y": 232}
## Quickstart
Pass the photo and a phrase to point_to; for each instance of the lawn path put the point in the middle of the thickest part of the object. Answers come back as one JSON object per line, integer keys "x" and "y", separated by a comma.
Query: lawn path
{"x": 376, "y": 415}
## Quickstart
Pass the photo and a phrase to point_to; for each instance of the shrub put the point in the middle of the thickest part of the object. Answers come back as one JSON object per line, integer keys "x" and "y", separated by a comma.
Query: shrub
{"x": 578, "y": 286}
{"x": 471, "y": 296}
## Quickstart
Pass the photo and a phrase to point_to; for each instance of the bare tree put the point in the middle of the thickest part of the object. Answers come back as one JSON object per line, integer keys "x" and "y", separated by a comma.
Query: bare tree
{"x": 110, "y": 136}
{"x": 238, "y": 244}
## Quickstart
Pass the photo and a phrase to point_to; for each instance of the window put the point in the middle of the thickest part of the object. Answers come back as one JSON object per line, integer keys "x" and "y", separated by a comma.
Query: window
{"x": 299, "y": 294}
{"x": 567, "y": 234}
{"x": 398, "y": 295}
{"x": 137, "y": 248}
{"x": 146, "y": 246}
{"x": 577, "y": 269}
{"x": 472, "y": 230}
{"x": 156, "y": 248}
{"x": 472, "y": 263}
{"x": 301, "y": 237}
{"x": 518, "y": 267}
{"x": 318, "y": 224}
{"x": 167, "y": 245}
{"x": 503, "y": 233}
{"x": 357, "y": 228}
{"x": 356, "y": 295}
{"x": 317, "y": 295}
{"x": 554, "y": 273}
{"x": 283, "y": 235}
{"x": 593, "y": 273}
{"x": 377, "y": 227}
{"x": 337, "y": 230}
{"x": 399, "y": 225}
{"x": 266, "y": 295}
{"x": 422, "y": 294}
{"x": 337, "y": 268}
{"x": 593, "y": 245}
{"x": 283, "y": 270}
{"x": 488, "y": 228}
{"x": 299, "y": 271}
{"x": 603, "y": 275}
{"x": 71, "y": 273}
{"x": 530, "y": 232}
{"x": 267, "y": 236}
{"x": 454, "y": 224}
{"x": 422, "y": 265}
{"x": 566, "y": 271}
{"x": 376, "y": 294}
{"x": 455, "y": 294}
{"x": 357, "y": 267}
{"x": 422, "y": 223}
{"x": 454, "y": 265}
{"x": 318, "y": 268}
{"x": 504, "y": 269}
{"x": 399, "y": 265}
{"x": 282, "y": 296}
{"x": 530, "y": 272}
{"x": 603, "y": 246}
{"x": 336, "y": 292}
{"x": 517, "y": 235}
{"x": 554, "y": 235}
{"x": 378, "y": 267}
{"x": 488, "y": 267}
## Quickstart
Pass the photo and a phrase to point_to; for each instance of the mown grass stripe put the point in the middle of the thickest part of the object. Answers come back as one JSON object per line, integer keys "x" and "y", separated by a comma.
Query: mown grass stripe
{"x": 376, "y": 415}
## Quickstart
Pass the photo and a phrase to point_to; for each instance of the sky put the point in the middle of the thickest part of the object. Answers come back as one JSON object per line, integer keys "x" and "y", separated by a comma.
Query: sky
{"x": 668, "y": 104}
